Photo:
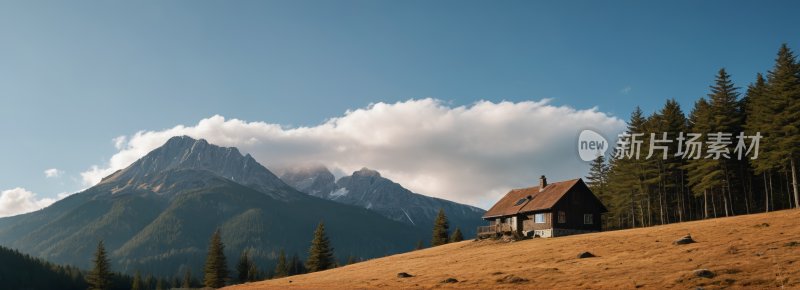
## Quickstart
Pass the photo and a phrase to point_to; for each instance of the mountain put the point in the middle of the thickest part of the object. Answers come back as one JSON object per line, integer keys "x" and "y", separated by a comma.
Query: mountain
{"x": 366, "y": 188}
{"x": 159, "y": 213}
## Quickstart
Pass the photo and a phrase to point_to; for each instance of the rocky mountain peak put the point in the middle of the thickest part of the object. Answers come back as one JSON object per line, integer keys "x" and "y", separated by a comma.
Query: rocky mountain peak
{"x": 181, "y": 153}
{"x": 366, "y": 172}
{"x": 313, "y": 179}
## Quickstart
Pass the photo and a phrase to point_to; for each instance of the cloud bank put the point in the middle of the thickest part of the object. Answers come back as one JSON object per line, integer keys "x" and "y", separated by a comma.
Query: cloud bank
{"x": 18, "y": 201}
{"x": 470, "y": 154}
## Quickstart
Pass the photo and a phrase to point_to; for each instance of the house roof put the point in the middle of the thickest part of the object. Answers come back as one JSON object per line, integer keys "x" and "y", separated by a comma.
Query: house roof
{"x": 539, "y": 200}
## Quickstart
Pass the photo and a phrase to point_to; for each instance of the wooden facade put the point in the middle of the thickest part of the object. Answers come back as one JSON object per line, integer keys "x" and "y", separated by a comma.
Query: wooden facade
{"x": 567, "y": 208}
{"x": 575, "y": 204}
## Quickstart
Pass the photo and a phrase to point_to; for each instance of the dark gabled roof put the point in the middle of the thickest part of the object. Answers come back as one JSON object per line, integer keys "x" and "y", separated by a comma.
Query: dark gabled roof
{"x": 545, "y": 199}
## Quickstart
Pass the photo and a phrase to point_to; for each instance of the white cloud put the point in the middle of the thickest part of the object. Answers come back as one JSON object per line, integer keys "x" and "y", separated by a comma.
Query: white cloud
{"x": 53, "y": 173}
{"x": 626, "y": 90}
{"x": 470, "y": 154}
{"x": 18, "y": 201}
{"x": 119, "y": 142}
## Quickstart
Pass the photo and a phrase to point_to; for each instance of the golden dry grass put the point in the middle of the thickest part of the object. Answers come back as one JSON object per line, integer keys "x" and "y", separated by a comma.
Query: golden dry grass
{"x": 741, "y": 255}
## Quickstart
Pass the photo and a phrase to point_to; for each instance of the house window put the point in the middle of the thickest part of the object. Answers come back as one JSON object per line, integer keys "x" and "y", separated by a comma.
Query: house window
{"x": 562, "y": 217}
{"x": 539, "y": 218}
{"x": 587, "y": 219}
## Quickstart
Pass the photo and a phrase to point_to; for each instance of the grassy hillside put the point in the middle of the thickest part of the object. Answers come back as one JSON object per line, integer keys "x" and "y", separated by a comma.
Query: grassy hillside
{"x": 741, "y": 251}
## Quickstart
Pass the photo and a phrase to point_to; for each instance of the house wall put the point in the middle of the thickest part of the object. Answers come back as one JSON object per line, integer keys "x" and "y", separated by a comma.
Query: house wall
{"x": 575, "y": 203}
{"x": 530, "y": 225}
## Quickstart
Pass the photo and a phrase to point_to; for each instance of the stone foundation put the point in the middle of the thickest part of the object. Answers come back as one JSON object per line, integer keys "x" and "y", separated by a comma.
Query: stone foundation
{"x": 539, "y": 233}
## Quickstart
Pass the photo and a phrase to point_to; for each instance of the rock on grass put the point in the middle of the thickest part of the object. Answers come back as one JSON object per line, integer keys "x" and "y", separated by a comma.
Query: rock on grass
{"x": 703, "y": 273}
{"x": 449, "y": 280}
{"x": 683, "y": 241}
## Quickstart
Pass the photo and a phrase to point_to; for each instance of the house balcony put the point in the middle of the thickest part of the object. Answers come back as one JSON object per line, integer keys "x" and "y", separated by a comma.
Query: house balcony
{"x": 495, "y": 229}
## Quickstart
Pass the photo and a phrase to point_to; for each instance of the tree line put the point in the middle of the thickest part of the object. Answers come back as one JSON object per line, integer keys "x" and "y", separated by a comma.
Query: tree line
{"x": 721, "y": 178}
{"x": 216, "y": 271}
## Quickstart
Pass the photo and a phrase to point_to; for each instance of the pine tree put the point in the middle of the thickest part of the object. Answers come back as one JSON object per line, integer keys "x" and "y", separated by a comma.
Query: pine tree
{"x": 187, "y": 279}
{"x": 628, "y": 179}
{"x": 597, "y": 175}
{"x": 352, "y": 259}
{"x": 419, "y": 245}
{"x": 160, "y": 284}
{"x": 758, "y": 110}
{"x": 138, "y": 284}
{"x": 441, "y": 232}
{"x": 672, "y": 176}
{"x": 457, "y": 236}
{"x": 784, "y": 89}
{"x": 100, "y": 276}
{"x": 320, "y": 255}
{"x": 282, "y": 268}
{"x": 149, "y": 282}
{"x": 243, "y": 267}
{"x": 176, "y": 281}
{"x": 216, "y": 270}
{"x": 598, "y": 178}
{"x": 725, "y": 103}
{"x": 252, "y": 273}
{"x": 722, "y": 113}
{"x": 296, "y": 265}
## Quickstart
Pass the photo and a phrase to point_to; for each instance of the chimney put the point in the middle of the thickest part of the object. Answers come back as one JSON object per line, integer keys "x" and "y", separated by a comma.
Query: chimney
{"x": 542, "y": 183}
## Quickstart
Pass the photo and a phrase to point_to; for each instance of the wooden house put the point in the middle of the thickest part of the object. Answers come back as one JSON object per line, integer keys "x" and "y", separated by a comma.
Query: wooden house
{"x": 548, "y": 210}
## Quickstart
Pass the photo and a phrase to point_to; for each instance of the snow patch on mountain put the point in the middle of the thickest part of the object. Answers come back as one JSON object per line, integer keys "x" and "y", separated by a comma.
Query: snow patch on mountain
{"x": 340, "y": 192}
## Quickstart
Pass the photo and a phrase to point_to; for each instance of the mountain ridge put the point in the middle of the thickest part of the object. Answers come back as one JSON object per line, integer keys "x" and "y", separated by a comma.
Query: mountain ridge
{"x": 368, "y": 189}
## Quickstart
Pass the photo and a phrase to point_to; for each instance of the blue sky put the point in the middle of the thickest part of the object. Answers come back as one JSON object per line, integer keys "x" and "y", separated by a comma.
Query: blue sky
{"x": 74, "y": 75}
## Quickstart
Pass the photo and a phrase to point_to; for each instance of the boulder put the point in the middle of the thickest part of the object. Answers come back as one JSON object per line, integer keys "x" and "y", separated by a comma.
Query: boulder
{"x": 403, "y": 275}
{"x": 585, "y": 255}
{"x": 703, "y": 273}
{"x": 683, "y": 241}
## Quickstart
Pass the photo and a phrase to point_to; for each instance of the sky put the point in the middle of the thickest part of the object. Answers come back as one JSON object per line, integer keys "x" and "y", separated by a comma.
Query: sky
{"x": 462, "y": 100}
